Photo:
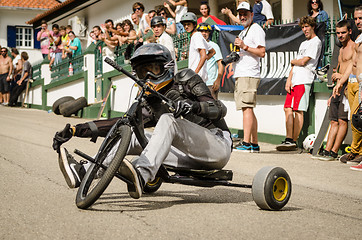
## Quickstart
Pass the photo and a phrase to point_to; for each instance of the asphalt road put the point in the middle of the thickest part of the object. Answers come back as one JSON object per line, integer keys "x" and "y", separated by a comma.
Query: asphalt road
{"x": 36, "y": 203}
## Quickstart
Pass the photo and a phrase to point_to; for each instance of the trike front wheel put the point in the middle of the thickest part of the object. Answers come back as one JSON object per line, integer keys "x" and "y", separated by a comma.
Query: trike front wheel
{"x": 96, "y": 180}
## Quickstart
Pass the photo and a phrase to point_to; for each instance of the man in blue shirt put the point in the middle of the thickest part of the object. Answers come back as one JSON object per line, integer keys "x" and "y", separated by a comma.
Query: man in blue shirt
{"x": 215, "y": 68}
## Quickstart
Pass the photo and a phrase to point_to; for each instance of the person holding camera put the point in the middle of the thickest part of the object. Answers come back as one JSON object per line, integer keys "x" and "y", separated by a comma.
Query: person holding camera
{"x": 44, "y": 36}
{"x": 251, "y": 42}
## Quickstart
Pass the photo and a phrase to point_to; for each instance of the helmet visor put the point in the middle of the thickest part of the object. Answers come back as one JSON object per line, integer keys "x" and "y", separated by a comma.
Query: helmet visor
{"x": 150, "y": 70}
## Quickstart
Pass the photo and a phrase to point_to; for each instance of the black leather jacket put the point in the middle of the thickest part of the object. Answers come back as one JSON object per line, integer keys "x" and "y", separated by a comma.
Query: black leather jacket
{"x": 186, "y": 85}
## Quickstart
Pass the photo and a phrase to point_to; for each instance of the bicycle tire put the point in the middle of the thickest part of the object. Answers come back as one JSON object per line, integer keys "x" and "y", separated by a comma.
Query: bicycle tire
{"x": 86, "y": 196}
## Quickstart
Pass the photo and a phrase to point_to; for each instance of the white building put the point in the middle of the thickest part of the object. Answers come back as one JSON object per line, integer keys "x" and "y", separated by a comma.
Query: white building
{"x": 15, "y": 32}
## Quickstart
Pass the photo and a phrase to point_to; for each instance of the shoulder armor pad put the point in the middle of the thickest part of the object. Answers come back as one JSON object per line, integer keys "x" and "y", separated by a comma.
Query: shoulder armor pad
{"x": 184, "y": 75}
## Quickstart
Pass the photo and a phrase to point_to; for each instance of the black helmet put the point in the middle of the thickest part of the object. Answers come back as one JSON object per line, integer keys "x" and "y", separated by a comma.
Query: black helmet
{"x": 203, "y": 27}
{"x": 357, "y": 120}
{"x": 189, "y": 17}
{"x": 158, "y": 20}
{"x": 153, "y": 62}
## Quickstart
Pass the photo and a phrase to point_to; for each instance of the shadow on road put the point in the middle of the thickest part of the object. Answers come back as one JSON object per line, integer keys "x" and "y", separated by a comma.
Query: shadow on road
{"x": 166, "y": 199}
{"x": 121, "y": 202}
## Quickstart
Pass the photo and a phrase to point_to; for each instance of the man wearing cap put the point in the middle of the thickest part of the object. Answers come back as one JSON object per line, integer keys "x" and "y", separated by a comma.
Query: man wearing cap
{"x": 199, "y": 50}
{"x": 158, "y": 25}
{"x": 215, "y": 69}
{"x": 251, "y": 42}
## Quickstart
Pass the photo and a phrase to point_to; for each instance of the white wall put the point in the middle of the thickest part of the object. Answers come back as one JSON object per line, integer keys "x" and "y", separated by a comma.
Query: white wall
{"x": 74, "y": 89}
{"x": 12, "y": 17}
{"x": 125, "y": 92}
{"x": 269, "y": 112}
{"x": 34, "y": 96}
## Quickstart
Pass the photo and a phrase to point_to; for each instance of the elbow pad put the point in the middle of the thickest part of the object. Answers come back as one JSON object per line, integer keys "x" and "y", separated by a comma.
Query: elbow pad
{"x": 213, "y": 110}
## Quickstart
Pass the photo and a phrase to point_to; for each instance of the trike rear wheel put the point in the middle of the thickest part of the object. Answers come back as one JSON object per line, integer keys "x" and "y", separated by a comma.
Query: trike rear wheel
{"x": 271, "y": 188}
{"x": 94, "y": 183}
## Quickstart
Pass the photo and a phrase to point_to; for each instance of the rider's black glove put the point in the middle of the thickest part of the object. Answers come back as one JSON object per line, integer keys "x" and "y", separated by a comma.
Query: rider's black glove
{"x": 184, "y": 107}
{"x": 62, "y": 137}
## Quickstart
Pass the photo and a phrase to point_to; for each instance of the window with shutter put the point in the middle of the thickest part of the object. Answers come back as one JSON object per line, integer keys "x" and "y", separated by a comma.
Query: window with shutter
{"x": 24, "y": 37}
{"x": 11, "y": 36}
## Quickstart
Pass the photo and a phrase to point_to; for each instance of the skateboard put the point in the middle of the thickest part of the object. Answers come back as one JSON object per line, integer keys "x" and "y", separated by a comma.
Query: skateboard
{"x": 26, "y": 93}
{"x": 321, "y": 134}
{"x": 104, "y": 101}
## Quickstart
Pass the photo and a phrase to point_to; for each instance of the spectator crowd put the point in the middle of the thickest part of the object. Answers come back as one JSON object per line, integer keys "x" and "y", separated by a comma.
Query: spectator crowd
{"x": 172, "y": 18}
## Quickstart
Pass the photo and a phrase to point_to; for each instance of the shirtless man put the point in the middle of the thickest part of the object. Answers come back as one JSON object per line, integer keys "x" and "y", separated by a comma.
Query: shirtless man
{"x": 338, "y": 109}
{"x": 355, "y": 156}
{"x": 6, "y": 68}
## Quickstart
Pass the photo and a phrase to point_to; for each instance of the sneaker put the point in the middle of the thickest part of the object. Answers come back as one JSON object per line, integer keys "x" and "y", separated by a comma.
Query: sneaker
{"x": 329, "y": 156}
{"x": 355, "y": 161}
{"x": 244, "y": 148}
{"x": 73, "y": 171}
{"x": 287, "y": 146}
{"x": 357, "y": 168}
{"x": 237, "y": 144}
{"x": 255, "y": 149}
{"x": 348, "y": 157}
{"x": 128, "y": 171}
{"x": 320, "y": 154}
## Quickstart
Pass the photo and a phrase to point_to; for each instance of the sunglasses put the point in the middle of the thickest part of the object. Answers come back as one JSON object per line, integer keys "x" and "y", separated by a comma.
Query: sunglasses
{"x": 314, "y": 2}
{"x": 135, "y": 9}
{"x": 4, "y": 51}
{"x": 163, "y": 13}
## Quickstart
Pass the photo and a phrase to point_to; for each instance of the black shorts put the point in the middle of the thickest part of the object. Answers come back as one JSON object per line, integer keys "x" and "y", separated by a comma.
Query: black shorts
{"x": 4, "y": 85}
{"x": 337, "y": 109}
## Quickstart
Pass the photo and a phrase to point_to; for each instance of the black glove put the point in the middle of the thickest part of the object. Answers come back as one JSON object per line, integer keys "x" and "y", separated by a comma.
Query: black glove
{"x": 62, "y": 137}
{"x": 184, "y": 107}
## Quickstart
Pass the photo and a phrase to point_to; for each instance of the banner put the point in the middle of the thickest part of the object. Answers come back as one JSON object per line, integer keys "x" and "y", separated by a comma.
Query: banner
{"x": 282, "y": 44}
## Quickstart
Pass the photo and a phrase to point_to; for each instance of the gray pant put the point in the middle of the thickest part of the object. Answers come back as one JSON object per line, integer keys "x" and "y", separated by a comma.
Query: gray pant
{"x": 193, "y": 147}
{"x": 178, "y": 143}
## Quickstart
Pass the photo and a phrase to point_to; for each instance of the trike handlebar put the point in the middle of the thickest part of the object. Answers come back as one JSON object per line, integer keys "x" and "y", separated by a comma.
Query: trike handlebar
{"x": 142, "y": 84}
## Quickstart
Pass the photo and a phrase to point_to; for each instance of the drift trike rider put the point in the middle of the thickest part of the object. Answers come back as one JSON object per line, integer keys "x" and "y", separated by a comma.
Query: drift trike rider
{"x": 199, "y": 140}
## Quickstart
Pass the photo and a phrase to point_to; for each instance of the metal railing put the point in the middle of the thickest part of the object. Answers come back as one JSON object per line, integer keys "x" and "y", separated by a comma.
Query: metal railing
{"x": 181, "y": 43}
{"x": 37, "y": 72}
{"x": 122, "y": 51}
{"x": 98, "y": 58}
{"x": 61, "y": 70}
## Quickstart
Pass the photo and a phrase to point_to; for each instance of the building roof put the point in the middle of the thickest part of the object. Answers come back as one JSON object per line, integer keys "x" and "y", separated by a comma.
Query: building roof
{"x": 56, "y": 10}
{"x": 39, "y": 4}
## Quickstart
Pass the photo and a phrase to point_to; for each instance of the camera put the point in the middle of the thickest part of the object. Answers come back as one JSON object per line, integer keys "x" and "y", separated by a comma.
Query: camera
{"x": 232, "y": 57}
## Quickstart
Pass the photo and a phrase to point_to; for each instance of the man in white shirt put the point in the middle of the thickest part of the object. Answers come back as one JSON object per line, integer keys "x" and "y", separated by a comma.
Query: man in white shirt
{"x": 158, "y": 25}
{"x": 299, "y": 83}
{"x": 251, "y": 42}
{"x": 144, "y": 19}
{"x": 199, "y": 50}
{"x": 263, "y": 14}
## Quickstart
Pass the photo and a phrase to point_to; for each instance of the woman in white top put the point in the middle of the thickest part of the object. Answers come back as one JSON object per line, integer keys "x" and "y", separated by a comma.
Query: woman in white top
{"x": 181, "y": 9}
{"x": 145, "y": 21}
{"x": 170, "y": 22}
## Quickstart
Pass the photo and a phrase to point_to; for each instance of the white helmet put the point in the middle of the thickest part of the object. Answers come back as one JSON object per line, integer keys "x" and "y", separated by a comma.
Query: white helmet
{"x": 309, "y": 142}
